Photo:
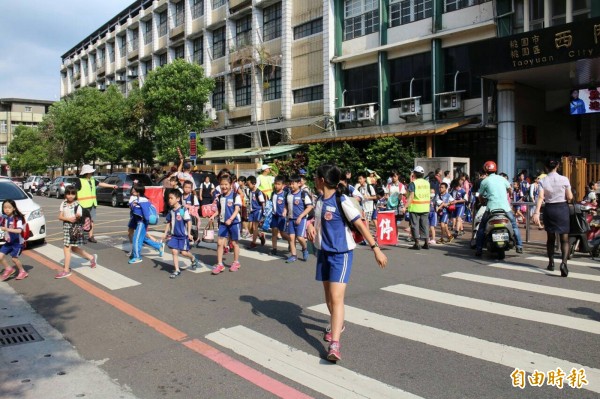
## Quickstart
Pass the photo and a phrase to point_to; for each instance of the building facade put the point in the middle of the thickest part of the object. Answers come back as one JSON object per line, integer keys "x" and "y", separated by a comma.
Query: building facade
{"x": 469, "y": 78}
{"x": 15, "y": 112}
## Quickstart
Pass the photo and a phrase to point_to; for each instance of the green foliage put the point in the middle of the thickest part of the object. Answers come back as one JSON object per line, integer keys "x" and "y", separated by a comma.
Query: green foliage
{"x": 174, "y": 96}
{"x": 288, "y": 167}
{"x": 344, "y": 155}
{"x": 27, "y": 151}
{"x": 386, "y": 154}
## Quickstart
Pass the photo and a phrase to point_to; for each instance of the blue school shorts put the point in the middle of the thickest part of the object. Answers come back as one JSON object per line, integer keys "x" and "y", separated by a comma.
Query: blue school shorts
{"x": 132, "y": 223}
{"x": 179, "y": 243}
{"x": 232, "y": 231}
{"x": 278, "y": 222}
{"x": 444, "y": 217}
{"x": 255, "y": 215}
{"x": 459, "y": 211}
{"x": 12, "y": 250}
{"x": 432, "y": 219}
{"x": 334, "y": 267}
{"x": 299, "y": 230}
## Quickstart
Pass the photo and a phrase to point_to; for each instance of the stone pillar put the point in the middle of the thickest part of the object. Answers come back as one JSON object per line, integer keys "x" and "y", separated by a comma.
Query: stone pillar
{"x": 506, "y": 128}
{"x": 229, "y": 142}
{"x": 286, "y": 59}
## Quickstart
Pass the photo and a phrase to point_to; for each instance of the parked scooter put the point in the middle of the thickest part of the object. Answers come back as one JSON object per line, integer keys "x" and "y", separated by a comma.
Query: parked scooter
{"x": 584, "y": 234}
{"x": 42, "y": 189}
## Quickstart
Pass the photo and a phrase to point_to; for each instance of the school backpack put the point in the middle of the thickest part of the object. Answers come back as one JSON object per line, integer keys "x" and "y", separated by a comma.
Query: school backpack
{"x": 392, "y": 202}
{"x": 86, "y": 219}
{"x": 355, "y": 233}
{"x": 25, "y": 232}
{"x": 149, "y": 212}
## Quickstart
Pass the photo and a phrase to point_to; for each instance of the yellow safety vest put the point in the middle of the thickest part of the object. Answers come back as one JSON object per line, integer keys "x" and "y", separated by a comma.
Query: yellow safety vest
{"x": 86, "y": 196}
{"x": 420, "y": 201}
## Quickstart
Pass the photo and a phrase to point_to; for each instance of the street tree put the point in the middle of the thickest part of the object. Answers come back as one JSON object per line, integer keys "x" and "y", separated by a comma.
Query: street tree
{"x": 28, "y": 151}
{"x": 389, "y": 153}
{"x": 174, "y": 96}
{"x": 344, "y": 155}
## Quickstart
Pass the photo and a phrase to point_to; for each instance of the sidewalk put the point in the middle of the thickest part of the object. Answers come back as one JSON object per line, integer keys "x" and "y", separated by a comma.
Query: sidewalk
{"x": 51, "y": 368}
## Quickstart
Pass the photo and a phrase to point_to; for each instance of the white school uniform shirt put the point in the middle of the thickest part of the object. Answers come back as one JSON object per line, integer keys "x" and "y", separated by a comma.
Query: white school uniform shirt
{"x": 364, "y": 191}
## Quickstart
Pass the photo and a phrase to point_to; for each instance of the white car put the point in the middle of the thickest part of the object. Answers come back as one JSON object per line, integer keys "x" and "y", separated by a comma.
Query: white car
{"x": 34, "y": 216}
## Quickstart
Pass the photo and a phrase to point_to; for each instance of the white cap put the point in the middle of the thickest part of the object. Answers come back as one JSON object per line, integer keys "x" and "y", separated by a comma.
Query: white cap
{"x": 370, "y": 171}
{"x": 419, "y": 169}
{"x": 265, "y": 167}
{"x": 87, "y": 169}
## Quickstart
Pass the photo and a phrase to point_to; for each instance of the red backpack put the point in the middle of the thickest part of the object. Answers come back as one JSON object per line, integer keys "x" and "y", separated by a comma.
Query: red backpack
{"x": 25, "y": 232}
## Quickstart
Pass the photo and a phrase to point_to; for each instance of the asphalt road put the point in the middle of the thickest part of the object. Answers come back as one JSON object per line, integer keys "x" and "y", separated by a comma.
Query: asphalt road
{"x": 435, "y": 324}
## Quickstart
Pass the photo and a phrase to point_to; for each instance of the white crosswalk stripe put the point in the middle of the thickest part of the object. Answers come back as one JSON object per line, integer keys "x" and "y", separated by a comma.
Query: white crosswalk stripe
{"x": 534, "y": 269}
{"x": 308, "y": 370}
{"x": 574, "y": 323}
{"x": 470, "y": 346}
{"x": 540, "y": 289}
{"x": 101, "y": 275}
{"x": 167, "y": 257}
{"x": 570, "y": 262}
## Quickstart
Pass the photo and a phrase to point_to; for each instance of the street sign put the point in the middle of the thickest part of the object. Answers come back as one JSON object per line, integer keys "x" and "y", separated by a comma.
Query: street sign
{"x": 386, "y": 228}
{"x": 193, "y": 147}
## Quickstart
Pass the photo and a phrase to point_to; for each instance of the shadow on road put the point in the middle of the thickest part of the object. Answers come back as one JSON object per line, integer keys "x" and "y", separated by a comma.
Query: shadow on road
{"x": 291, "y": 316}
{"x": 590, "y": 313}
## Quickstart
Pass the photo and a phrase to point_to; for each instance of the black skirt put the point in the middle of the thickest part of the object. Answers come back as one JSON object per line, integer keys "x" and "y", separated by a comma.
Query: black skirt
{"x": 556, "y": 218}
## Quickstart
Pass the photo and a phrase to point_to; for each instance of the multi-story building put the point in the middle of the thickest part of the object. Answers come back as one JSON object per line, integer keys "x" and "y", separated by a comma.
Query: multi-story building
{"x": 470, "y": 78}
{"x": 15, "y": 112}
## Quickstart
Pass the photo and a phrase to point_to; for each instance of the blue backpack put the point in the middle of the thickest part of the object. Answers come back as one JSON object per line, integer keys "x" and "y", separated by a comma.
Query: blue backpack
{"x": 149, "y": 213}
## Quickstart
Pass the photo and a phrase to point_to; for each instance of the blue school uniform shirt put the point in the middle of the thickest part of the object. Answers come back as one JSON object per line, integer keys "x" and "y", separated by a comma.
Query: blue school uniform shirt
{"x": 190, "y": 200}
{"x": 458, "y": 195}
{"x": 178, "y": 219}
{"x": 296, "y": 203}
{"x": 278, "y": 200}
{"x": 256, "y": 200}
{"x": 443, "y": 199}
{"x": 135, "y": 209}
{"x": 13, "y": 238}
{"x": 227, "y": 204}
{"x": 333, "y": 235}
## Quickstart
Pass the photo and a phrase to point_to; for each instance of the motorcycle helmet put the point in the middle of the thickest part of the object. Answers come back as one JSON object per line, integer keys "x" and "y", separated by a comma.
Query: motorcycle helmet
{"x": 490, "y": 167}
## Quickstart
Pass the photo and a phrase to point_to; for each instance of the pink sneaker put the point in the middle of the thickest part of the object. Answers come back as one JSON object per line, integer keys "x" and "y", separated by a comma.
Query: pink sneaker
{"x": 334, "y": 355}
{"x": 22, "y": 274}
{"x": 327, "y": 336}
{"x": 218, "y": 268}
{"x": 63, "y": 274}
{"x": 234, "y": 266}
{"x": 93, "y": 261}
{"x": 7, "y": 273}
{"x": 432, "y": 242}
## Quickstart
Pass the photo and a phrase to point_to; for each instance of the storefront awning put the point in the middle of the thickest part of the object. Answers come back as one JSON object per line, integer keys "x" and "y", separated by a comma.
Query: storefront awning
{"x": 252, "y": 128}
{"x": 375, "y": 132}
{"x": 251, "y": 152}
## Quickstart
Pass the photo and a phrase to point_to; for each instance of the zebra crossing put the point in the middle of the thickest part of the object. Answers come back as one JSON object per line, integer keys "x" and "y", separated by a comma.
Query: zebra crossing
{"x": 315, "y": 373}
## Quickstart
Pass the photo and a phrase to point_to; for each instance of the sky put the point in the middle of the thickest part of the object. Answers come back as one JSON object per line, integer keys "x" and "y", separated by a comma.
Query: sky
{"x": 34, "y": 34}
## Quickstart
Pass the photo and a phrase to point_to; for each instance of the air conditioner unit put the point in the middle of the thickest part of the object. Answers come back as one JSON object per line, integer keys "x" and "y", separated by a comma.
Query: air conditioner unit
{"x": 120, "y": 78}
{"x": 410, "y": 106}
{"x": 365, "y": 112}
{"x": 133, "y": 73}
{"x": 211, "y": 113}
{"x": 450, "y": 101}
{"x": 101, "y": 86}
{"x": 346, "y": 114}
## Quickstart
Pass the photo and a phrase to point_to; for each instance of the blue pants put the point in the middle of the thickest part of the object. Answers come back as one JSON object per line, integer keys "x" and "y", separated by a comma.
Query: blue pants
{"x": 139, "y": 239}
{"x": 484, "y": 221}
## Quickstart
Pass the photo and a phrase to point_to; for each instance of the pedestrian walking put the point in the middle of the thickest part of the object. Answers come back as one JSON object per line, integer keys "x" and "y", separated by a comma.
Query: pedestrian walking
{"x": 299, "y": 204}
{"x": 333, "y": 240}
{"x": 179, "y": 232}
{"x": 418, "y": 207}
{"x": 13, "y": 223}
{"x": 555, "y": 192}
{"x": 70, "y": 213}
{"x": 139, "y": 205}
{"x": 229, "y": 205}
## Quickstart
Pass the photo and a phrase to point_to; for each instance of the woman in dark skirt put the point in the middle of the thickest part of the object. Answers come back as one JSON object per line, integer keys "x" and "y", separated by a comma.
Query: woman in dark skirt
{"x": 555, "y": 192}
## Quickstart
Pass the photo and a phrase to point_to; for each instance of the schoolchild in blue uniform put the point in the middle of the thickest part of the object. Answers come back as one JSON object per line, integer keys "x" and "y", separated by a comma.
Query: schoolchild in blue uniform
{"x": 458, "y": 200}
{"x": 432, "y": 216}
{"x": 179, "y": 228}
{"x": 442, "y": 202}
{"x": 256, "y": 211}
{"x": 279, "y": 213}
{"x": 228, "y": 211}
{"x": 138, "y": 205}
{"x": 12, "y": 226}
{"x": 334, "y": 243}
{"x": 299, "y": 204}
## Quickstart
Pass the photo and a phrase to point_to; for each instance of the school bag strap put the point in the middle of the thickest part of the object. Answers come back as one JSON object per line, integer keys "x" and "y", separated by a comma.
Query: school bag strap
{"x": 338, "y": 201}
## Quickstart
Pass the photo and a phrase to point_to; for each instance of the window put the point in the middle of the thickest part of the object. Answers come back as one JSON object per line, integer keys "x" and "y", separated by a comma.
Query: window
{"x": 179, "y": 52}
{"x": 100, "y": 57}
{"x": 3, "y": 127}
{"x": 218, "y": 3}
{"x": 536, "y": 14}
{"x": 135, "y": 39}
{"x": 219, "y": 43}
{"x": 110, "y": 47}
{"x": 197, "y": 8}
{"x": 362, "y": 85}
{"x": 162, "y": 59}
{"x": 122, "y": 45}
{"x": 581, "y": 10}
{"x": 179, "y": 14}
{"x": 243, "y": 89}
{"x": 3, "y": 151}
{"x": 148, "y": 32}
{"x": 198, "y": 51}
{"x": 456, "y": 59}
{"x": 403, "y": 70}
{"x": 93, "y": 62}
{"x": 243, "y": 32}
{"x": 314, "y": 93}
{"x": 272, "y": 83}
{"x": 272, "y": 22}
{"x": 218, "y": 97}
{"x": 309, "y": 28}
{"x": 162, "y": 24}
{"x": 453, "y": 5}
{"x": 146, "y": 67}
{"x": 407, "y": 11}
{"x": 361, "y": 17}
